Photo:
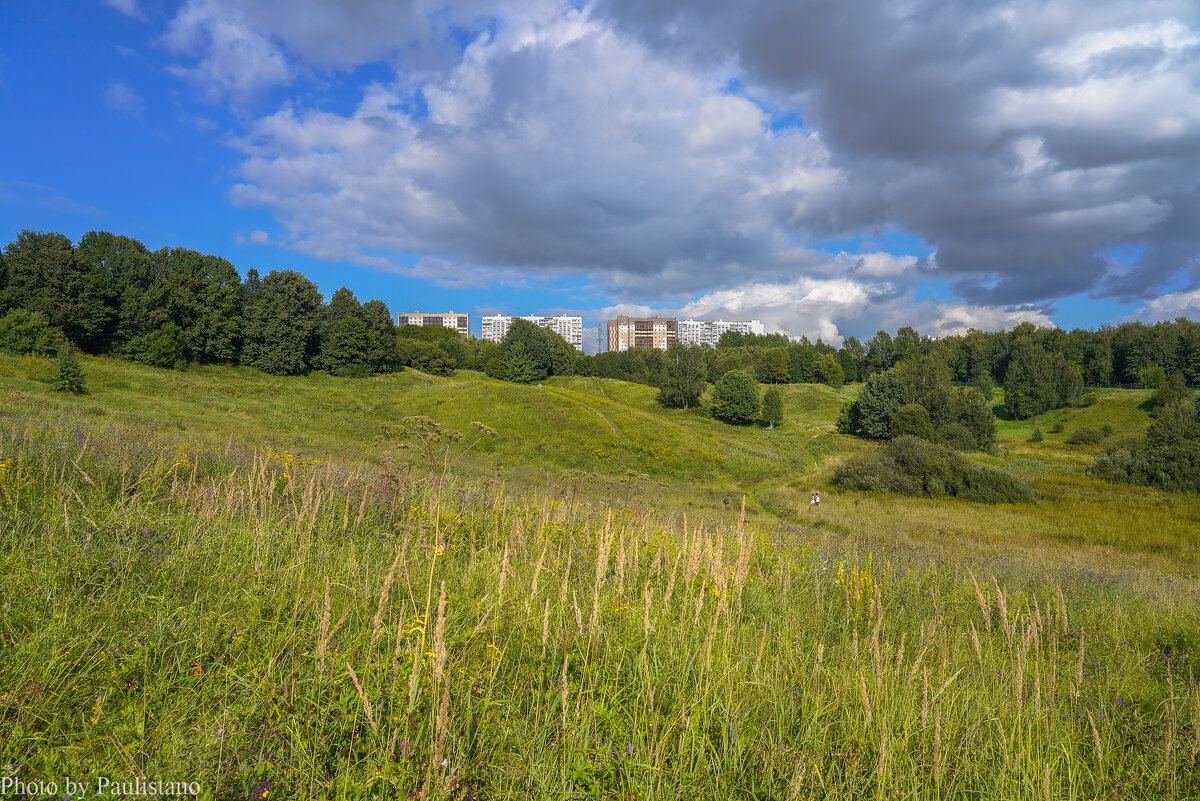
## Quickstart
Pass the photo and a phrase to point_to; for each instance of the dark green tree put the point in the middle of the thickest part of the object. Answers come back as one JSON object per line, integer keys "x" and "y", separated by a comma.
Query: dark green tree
{"x": 772, "y": 366}
{"x": 68, "y": 374}
{"x": 880, "y": 399}
{"x": 281, "y": 335}
{"x": 345, "y": 348}
{"x": 43, "y": 274}
{"x": 772, "y": 406}
{"x": 735, "y": 398}
{"x": 683, "y": 377}
{"x": 828, "y": 370}
{"x": 381, "y": 335}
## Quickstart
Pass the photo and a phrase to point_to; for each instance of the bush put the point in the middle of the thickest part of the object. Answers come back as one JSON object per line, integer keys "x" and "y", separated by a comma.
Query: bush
{"x": 1037, "y": 435}
{"x": 909, "y": 466}
{"x": 1057, "y": 427}
{"x": 1085, "y": 436}
{"x": 23, "y": 332}
{"x": 735, "y": 398}
{"x": 912, "y": 419}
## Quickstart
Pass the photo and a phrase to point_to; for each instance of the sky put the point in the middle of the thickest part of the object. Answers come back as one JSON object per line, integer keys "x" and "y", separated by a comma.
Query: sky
{"x": 830, "y": 167}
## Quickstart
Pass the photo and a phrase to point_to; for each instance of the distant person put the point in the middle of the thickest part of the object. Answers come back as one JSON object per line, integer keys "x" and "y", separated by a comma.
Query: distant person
{"x": 812, "y": 499}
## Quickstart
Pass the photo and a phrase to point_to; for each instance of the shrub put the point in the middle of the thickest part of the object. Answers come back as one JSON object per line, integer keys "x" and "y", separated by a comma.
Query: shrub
{"x": 912, "y": 419}
{"x": 23, "y": 332}
{"x": 1085, "y": 436}
{"x": 910, "y": 466}
{"x": 1037, "y": 435}
{"x": 735, "y": 398}
{"x": 1057, "y": 427}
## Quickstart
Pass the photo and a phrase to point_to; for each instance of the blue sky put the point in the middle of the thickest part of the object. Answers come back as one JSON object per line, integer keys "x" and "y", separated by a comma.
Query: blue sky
{"x": 546, "y": 156}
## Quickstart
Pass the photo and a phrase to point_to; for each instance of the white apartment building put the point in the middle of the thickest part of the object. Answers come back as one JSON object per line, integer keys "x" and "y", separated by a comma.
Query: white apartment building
{"x": 459, "y": 322}
{"x": 708, "y": 332}
{"x": 495, "y": 326}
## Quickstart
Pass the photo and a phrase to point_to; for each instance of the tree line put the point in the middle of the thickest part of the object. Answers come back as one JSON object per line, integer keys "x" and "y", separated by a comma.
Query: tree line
{"x": 109, "y": 294}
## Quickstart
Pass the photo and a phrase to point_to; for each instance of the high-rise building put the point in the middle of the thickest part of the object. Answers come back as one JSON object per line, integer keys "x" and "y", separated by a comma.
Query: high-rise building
{"x": 708, "y": 332}
{"x": 459, "y": 322}
{"x": 495, "y": 326}
{"x": 640, "y": 332}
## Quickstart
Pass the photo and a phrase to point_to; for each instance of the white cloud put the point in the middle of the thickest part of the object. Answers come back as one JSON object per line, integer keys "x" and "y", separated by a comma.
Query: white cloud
{"x": 236, "y": 61}
{"x": 120, "y": 97}
{"x": 256, "y": 237}
{"x": 1171, "y": 306}
{"x": 127, "y": 7}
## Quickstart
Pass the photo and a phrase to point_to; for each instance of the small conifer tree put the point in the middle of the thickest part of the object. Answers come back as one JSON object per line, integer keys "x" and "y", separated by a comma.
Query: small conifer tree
{"x": 68, "y": 374}
{"x": 1037, "y": 435}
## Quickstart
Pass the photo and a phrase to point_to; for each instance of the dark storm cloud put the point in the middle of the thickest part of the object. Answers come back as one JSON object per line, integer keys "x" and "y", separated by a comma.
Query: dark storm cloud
{"x": 1019, "y": 139}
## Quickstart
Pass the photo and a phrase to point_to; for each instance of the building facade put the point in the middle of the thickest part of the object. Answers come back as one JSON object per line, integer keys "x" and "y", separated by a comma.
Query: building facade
{"x": 641, "y": 332}
{"x": 708, "y": 332}
{"x": 459, "y": 322}
{"x": 495, "y": 326}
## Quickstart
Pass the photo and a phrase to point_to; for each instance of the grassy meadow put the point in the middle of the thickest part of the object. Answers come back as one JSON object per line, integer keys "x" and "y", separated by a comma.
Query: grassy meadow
{"x": 223, "y": 577}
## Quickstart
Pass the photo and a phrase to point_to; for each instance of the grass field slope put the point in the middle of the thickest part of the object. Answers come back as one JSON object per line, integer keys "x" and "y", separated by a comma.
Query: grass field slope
{"x": 220, "y": 577}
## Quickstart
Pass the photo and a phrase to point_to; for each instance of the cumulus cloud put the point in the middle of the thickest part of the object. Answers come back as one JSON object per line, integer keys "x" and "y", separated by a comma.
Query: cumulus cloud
{"x": 636, "y": 144}
{"x": 235, "y": 60}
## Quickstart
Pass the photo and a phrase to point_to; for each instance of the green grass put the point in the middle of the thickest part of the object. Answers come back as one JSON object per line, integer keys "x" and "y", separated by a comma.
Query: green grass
{"x": 215, "y": 576}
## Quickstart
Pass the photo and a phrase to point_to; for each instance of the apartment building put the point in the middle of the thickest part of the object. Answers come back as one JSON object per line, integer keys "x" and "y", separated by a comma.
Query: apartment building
{"x": 641, "y": 332}
{"x": 708, "y": 332}
{"x": 495, "y": 326}
{"x": 459, "y": 322}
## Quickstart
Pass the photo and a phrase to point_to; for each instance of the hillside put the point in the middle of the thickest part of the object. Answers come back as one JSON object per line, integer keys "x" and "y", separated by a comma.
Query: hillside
{"x": 216, "y": 576}
{"x": 608, "y": 439}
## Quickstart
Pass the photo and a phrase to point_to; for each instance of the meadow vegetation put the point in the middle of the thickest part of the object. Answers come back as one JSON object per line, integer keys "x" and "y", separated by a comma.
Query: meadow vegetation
{"x": 238, "y": 579}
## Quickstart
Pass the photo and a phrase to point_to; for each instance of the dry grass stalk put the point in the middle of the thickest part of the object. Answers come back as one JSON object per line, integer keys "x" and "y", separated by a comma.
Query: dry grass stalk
{"x": 621, "y": 563}
{"x": 671, "y": 581}
{"x": 817, "y": 586}
{"x": 562, "y": 593}
{"x": 439, "y": 637}
{"x": 694, "y": 551}
{"x": 365, "y": 701}
{"x": 441, "y": 730}
{"x": 699, "y": 605}
{"x": 924, "y": 698}
{"x": 796, "y": 788}
{"x": 1052, "y": 673}
{"x": 978, "y": 647}
{"x": 866, "y": 698}
{"x": 377, "y": 625}
{"x": 537, "y": 571}
{"x": 578, "y": 612}
{"x": 762, "y": 644}
{"x": 937, "y": 744}
{"x": 984, "y": 607}
{"x": 899, "y": 657}
{"x": 327, "y": 631}
{"x": 1046, "y": 784}
{"x": 917, "y": 663}
{"x": 1062, "y": 610}
{"x": 1002, "y": 602}
{"x": 565, "y": 697}
{"x": 602, "y": 551}
{"x": 647, "y": 602}
{"x": 504, "y": 570}
{"x": 1079, "y": 666}
{"x": 1096, "y": 738}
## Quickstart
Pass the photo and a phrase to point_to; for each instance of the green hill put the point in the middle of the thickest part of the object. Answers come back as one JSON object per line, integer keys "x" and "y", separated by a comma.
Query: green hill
{"x": 221, "y": 577}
